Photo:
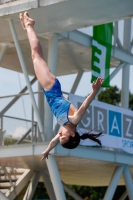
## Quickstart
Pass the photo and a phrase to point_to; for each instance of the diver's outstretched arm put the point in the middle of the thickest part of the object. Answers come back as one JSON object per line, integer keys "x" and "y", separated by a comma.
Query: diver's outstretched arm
{"x": 51, "y": 145}
{"x": 81, "y": 111}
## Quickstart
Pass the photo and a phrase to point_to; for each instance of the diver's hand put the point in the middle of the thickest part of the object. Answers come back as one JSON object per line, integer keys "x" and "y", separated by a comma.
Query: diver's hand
{"x": 45, "y": 155}
{"x": 97, "y": 84}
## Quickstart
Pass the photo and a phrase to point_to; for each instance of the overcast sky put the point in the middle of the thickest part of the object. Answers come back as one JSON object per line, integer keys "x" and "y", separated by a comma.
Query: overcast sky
{"x": 12, "y": 82}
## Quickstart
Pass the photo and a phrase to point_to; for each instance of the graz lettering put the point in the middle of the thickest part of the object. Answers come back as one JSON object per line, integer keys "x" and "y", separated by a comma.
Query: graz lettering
{"x": 108, "y": 121}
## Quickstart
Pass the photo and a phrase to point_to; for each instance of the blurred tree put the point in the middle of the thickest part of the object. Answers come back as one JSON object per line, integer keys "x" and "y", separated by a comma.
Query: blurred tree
{"x": 93, "y": 193}
{"x": 112, "y": 95}
{"x": 41, "y": 192}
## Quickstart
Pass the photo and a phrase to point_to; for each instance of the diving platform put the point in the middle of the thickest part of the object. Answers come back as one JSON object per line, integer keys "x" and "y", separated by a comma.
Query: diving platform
{"x": 81, "y": 166}
{"x": 63, "y": 18}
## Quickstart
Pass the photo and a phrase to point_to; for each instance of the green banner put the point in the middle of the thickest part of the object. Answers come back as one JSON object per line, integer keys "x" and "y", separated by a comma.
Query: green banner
{"x": 101, "y": 52}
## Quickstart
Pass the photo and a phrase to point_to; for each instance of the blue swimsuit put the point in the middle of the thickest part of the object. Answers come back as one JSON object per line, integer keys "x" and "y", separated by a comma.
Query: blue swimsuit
{"x": 58, "y": 104}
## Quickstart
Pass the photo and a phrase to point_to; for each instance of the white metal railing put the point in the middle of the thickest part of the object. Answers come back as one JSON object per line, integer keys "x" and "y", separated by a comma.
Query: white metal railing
{"x": 7, "y": 1}
{"x": 17, "y": 123}
{"x": 30, "y": 135}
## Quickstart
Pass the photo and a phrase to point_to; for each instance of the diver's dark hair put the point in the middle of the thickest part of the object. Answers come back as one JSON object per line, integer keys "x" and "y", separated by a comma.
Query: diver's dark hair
{"x": 73, "y": 142}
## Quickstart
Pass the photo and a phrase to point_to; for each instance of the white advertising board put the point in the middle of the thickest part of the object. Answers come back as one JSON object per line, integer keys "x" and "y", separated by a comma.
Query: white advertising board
{"x": 114, "y": 122}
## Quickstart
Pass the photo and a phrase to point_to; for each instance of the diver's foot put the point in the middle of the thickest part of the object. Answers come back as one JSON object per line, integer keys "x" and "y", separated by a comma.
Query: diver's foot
{"x": 26, "y": 20}
{"x": 22, "y": 20}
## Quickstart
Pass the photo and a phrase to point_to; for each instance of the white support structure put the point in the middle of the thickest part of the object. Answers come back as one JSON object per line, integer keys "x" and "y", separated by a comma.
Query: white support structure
{"x": 20, "y": 184}
{"x": 126, "y": 69}
{"x": 3, "y": 51}
{"x": 78, "y": 78}
{"x": 52, "y": 60}
{"x": 71, "y": 193}
{"x": 55, "y": 178}
{"x": 52, "y": 52}
{"x": 41, "y": 109}
{"x": 32, "y": 186}
{"x": 113, "y": 183}
{"x": 16, "y": 98}
{"x": 128, "y": 181}
{"x": 112, "y": 75}
{"x": 115, "y": 33}
{"x": 3, "y": 197}
{"x": 48, "y": 185}
{"x": 125, "y": 87}
{"x": 23, "y": 65}
{"x": 116, "y": 36}
{"x": 1, "y": 132}
{"x": 9, "y": 178}
{"x": 86, "y": 40}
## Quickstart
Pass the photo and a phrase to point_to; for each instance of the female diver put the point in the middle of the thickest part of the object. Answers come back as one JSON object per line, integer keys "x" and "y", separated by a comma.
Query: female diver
{"x": 66, "y": 114}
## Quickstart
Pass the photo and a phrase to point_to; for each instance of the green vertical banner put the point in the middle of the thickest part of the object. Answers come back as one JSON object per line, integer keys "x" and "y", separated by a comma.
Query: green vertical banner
{"x": 101, "y": 52}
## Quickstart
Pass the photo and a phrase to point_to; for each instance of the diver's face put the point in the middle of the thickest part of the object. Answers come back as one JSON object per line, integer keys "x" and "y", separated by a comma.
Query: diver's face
{"x": 65, "y": 134}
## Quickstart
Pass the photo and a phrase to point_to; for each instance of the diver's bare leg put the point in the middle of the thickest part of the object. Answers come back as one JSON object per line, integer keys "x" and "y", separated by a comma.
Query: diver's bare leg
{"x": 44, "y": 76}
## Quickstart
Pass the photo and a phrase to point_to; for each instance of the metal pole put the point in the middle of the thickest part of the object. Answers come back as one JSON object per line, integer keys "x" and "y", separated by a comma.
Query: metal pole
{"x": 41, "y": 108}
{"x": 32, "y": 186}
{"x": 126, "y": 69}
{"x": 116, "y": 36}
{"x": 52, "y": 60}
{"x": 10, "y": 180}
{"x": 21, "y": 139}
{"x": 1, "y": 133}
{"x": 2, "y": 53}
{"x": 78, "y": 78}
{"x": 125, "y": 87}
{"x": 114, "y": 73}
{"x": 3, "y": 50}
{"x": 128, "y": 181}
{"x": 55, "y": 178}
{"x": 48, "y": 185}
{"x": 32, "y": 125}
{"x": 23, "y": 65}
{"x": 52, "y": 52}
{"x": 113, "y": 183}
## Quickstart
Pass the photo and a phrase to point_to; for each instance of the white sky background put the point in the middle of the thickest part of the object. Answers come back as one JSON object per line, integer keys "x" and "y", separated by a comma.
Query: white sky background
{"x": 9, "y": 82}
